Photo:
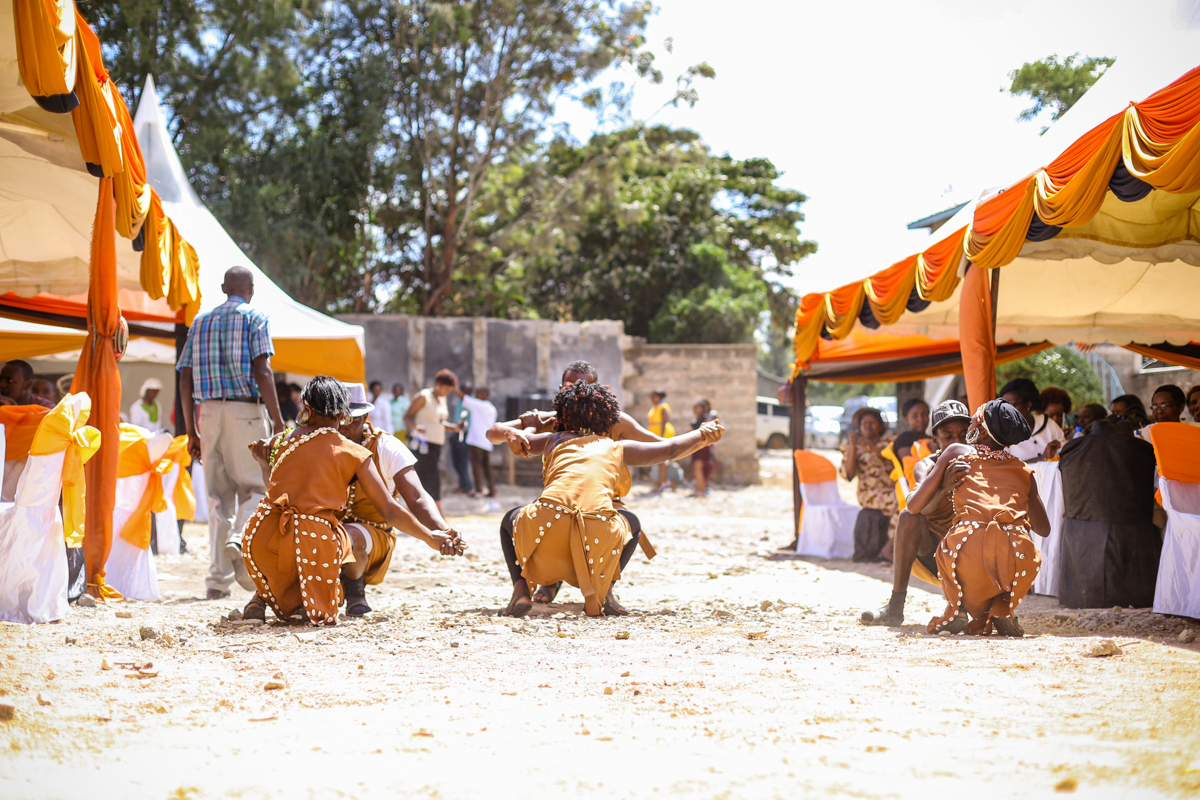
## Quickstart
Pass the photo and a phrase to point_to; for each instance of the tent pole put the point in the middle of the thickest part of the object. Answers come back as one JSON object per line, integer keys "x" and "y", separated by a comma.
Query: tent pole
{"x": 995, "y": 303}
{"x": 181, "y": 332}
{"x": 799, "y": 402}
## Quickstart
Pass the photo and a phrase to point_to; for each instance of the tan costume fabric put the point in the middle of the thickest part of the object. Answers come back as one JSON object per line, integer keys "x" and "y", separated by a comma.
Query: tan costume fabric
{"x": 295, "y": 544}
{"x": 572, "y": 532}
{"x": 939, "y": 518}
{"x": 359, "y": 509}
{"x": 987, "y": 561}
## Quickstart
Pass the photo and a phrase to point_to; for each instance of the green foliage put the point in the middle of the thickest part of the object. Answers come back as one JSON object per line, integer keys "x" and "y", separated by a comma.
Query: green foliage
{"x": 1063, "y": 367}
{"x": 1056, "y": 84}
{"x": 646, "y": 225}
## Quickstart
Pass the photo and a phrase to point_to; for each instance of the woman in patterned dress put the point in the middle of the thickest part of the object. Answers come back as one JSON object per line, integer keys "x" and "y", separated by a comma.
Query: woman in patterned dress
{"x": 987, "y": 562}
{"x": 295, "y": 545}
{"x": 862, "y": 458}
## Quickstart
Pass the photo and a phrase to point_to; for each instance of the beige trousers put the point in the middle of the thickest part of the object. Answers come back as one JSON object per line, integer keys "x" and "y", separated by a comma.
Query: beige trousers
{"x": 232, "y": 477}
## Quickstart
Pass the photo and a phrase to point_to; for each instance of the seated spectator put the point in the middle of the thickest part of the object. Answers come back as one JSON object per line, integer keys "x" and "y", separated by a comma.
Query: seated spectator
{"x": 16, "y": 386}
{"x": 1056, "y": 404}
{"x": 1168, "y": 404}
{"x": 1129, "y": 407}
{"x": 862, "y": 458}
{"x": 1046, "y": 437}
{"x": 1193, "y": 403}
{"x": 1092, "y": 412}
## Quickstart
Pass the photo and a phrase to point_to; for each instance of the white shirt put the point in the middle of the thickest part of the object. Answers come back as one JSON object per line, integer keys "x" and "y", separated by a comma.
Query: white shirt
{"x": 1047, "y": 430}
{"x": 483, "y": 416}
{"x": 381, "y": 416}
{"x": 140, "y": 417}
{"x": 393, "y": 457}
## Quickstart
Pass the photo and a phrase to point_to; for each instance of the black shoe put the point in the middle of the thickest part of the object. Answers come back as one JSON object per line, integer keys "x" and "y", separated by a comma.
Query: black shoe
{"x": 255, "y": 609}
{"x": 355, "y": 591}
{"x": 217, "y": 594}
{"x": 884, "y": 615}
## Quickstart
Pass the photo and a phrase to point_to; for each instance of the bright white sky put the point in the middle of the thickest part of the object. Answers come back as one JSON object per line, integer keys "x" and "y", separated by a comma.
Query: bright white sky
{"x": 880, "y": 112}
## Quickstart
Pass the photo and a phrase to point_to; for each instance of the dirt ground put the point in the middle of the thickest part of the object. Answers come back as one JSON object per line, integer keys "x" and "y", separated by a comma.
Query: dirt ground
{"x": 738, "y": 675}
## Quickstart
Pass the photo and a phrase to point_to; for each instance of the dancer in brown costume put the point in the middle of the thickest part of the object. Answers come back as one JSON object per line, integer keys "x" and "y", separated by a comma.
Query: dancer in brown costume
{"x": 987, "y": 562}
{"x": 295, "y": 545}
{"x": 573, "y": 532}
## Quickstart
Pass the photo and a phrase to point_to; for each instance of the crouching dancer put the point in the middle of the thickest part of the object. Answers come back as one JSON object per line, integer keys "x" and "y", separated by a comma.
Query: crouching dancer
{"x": 918, "y": 534}
{"x": 372, "y": 537}
{"x": 295, "y": 545}
{"x": 572, "y": 532}
{"x": 987, "y": 561}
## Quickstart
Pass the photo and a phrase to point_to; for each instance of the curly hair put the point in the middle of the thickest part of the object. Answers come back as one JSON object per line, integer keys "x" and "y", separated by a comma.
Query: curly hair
{"x": 867, "y": 411}
{"x": 587, "y": 408}
{"x": 1052, "y": 394}
{"x": 327, "y": 397}
{"x": 446, "y": 378}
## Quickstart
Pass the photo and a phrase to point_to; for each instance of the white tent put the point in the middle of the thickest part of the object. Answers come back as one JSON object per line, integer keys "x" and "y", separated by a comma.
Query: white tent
{"x": 306, "y": 341}
{"x": 1126, "y": 276}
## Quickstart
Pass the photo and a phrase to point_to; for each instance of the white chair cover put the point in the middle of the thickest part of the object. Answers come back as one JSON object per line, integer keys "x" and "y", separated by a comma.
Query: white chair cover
{"x": 827, "y": 524}
{"x": 1050, "y": 490}
{"x": 33, "y": 553}
{"x": 166, "y": 525}
{"x": 12, "y": 476}
{"x": 1178, "y": 588}
{"x": 200, "y": 489}
{"x": 129, "y": 569}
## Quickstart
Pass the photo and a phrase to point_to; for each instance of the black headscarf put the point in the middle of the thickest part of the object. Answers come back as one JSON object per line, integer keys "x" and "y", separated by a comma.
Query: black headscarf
{"x": 1004, "y": 423}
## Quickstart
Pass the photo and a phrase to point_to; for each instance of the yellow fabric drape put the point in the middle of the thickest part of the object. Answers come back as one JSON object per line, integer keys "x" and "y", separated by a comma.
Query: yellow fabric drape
{"x": 65, "y": 428}
{"x": 135, "y": 460}
{"x": 46, "y": 46}
{"x": 96, "y": 122}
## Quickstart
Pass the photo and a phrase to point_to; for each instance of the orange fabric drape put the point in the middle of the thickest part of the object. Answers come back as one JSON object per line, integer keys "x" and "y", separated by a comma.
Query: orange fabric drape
{"x": 1178, "y": 359}
{"x": 1177, "y": 451}
{"x": 97, "y": 375}
{"x": 46, "y": 46}
{"x": 1158, "y": 140}
{"x": 977, "y": 337}
{"x": 96, "y": 119}
{"x": 20, "y": 424}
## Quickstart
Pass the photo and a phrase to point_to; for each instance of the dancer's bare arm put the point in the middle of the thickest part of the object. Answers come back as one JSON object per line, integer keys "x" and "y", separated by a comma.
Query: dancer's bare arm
{"x": 448, "y": 544}
{"x": 629, "y": 429}
{"x": 1039, "y": 520}
{"x": 645, "y": 454}
{"x": 928, "y": 491}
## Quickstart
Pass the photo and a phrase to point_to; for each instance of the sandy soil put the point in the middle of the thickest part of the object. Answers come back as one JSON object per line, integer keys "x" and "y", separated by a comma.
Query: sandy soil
{"x": 738, "y": 675}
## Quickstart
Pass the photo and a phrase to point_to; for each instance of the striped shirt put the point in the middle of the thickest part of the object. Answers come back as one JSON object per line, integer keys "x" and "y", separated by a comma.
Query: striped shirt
{"x": 220, "y": 348}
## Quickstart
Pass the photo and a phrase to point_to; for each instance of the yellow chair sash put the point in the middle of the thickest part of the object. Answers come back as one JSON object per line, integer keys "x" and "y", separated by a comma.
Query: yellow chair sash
{"x": 65, "y": 428}
{"x": 135, "y": 460}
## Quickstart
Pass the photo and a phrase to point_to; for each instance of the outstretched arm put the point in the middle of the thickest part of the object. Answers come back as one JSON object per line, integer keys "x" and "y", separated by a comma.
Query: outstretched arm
{"x": 400, "y": 517}
{"x": 645, "y": 454}
{"x": 629, "y": 429}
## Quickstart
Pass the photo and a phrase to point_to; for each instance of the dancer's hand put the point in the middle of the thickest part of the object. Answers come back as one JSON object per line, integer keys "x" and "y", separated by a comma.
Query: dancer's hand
{"x": 447, "y": 542}
{"x": 261, "y": 450}
{"x": 518, "y": 442}
{"x": 954, "y": 475}
{"x": 1051, "y": 450}
{"x": 712, "y": 431}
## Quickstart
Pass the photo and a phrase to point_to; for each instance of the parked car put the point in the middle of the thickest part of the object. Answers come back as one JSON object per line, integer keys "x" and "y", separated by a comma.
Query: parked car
{"x": 772, "y": 427}
{"x": 886, "y": 406}
{"x": 822, "y": 427}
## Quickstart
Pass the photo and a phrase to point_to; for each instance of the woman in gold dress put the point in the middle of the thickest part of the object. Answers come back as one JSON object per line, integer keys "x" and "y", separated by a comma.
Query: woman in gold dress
{"x": 572, "y": 532}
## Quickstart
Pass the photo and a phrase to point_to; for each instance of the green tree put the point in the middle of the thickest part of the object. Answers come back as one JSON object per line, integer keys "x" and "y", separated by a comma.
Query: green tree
{"x": 1063, "y": 367}
{"x": 1056, "y": 84}
{"x": 653, "y": 229}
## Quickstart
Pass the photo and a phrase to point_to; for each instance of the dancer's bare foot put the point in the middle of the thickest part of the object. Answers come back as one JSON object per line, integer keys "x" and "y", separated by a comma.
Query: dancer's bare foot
{"x": 520, "y": 604}
{"x": 547, "y": 593}
{"x": 612, "y": 608}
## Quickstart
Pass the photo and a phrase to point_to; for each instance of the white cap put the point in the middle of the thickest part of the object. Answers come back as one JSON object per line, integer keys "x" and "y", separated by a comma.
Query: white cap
{"x": 151, "y": 383}
{"x": 359, "y": 407}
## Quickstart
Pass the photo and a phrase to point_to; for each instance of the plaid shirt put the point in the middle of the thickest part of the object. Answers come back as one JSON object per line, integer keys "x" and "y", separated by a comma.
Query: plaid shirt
{"x": 221, "y": 345}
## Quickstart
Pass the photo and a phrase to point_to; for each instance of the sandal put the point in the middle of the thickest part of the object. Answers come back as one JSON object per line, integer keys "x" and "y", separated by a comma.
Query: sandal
{"x": 612, "y": 608}
{"x": 297, "y": 616}
{"x": 255, "y": 609}
{"x": 546, "y": 594}
{"x": 955, "y": 625}
{"x": 1008, "y": 626}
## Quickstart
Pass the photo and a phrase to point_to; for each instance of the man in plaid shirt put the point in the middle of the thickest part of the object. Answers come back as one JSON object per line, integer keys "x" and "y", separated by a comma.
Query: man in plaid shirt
{"x": 225, "y": 366}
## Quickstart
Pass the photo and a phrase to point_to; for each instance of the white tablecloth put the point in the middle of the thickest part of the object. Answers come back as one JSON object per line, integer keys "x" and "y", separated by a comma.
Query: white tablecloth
{"x": 1050, "y": 490}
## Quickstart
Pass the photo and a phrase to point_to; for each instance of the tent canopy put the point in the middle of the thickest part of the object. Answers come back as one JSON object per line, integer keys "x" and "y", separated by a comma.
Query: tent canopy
{"x": 306, "y": 341}
{"x": 1101, "y": 245}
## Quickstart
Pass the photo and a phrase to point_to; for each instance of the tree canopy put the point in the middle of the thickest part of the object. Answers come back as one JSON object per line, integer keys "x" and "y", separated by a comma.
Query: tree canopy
{"x": 1056, "y": 84}
{"x": 1063, "y": 367}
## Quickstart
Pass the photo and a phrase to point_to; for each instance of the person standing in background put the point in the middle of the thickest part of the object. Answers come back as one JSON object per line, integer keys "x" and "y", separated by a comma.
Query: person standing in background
{"x": 704, "y": 460}
{"x": 460, "y": 452}
{"x": 225, "y": 366}
{"x": 659, "y": 423}
{"x": 287, "y": 406}
{"x": 399, "y": 405}
{"x": 145, "y": 413}
{"x": 483, "y": 416}
{"x": 427, "y": 420}
{"x": 381, "y": 415}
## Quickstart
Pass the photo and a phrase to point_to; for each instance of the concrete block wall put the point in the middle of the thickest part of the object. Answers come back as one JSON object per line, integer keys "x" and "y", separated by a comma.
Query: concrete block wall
{"x": 725, "y": 374}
